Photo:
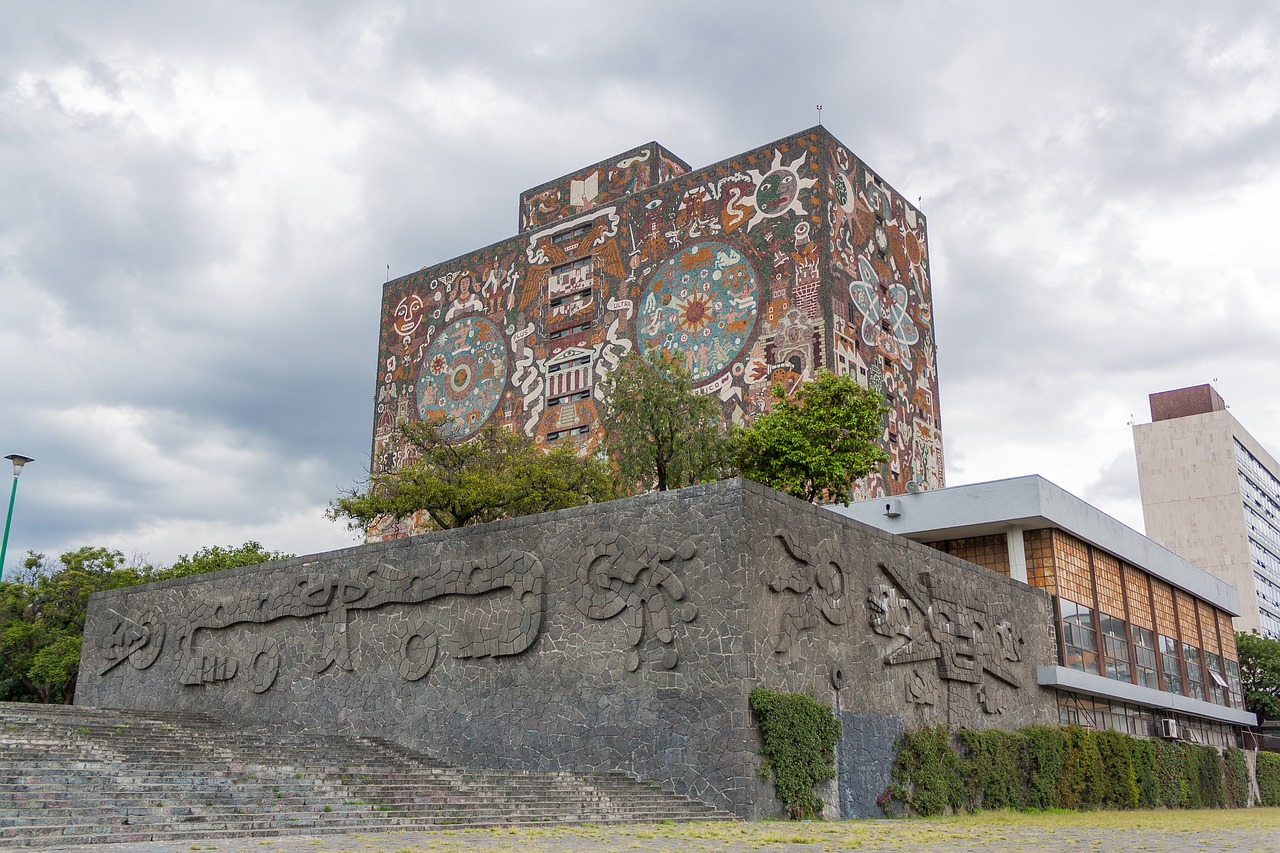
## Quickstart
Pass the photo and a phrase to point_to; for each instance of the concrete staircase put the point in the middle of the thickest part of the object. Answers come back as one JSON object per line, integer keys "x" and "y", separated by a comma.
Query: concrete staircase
{"x": 73, "y": 775}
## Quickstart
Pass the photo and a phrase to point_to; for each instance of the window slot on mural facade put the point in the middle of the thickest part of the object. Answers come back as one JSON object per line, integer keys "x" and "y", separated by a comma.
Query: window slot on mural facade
{"x": 570, "y": 398}
{"x": 565, "y": 365}
{"x": 1079, "y": 639}
{"x": 581, "y": 429}
{"x": 566, "y": 236}
{"x": 569, "y": 330}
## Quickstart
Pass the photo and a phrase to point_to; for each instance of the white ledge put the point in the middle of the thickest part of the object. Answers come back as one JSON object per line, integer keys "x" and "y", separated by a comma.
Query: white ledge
{"x": 1123, "y": 691}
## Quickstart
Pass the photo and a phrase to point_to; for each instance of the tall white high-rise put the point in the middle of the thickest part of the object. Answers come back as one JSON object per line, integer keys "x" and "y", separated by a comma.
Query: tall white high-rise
{"x": 1211, "y": 493}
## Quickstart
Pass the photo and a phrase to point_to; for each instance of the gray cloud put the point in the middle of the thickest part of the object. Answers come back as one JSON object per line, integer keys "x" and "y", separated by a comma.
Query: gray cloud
{"x": 201, "y": 203}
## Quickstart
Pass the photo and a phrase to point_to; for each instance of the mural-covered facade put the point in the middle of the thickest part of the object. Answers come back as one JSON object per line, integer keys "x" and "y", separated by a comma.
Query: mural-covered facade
{"x": 759, "y": 270}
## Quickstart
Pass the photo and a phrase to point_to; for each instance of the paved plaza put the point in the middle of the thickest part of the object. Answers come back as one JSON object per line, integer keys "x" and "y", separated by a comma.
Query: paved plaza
{"x": 1252, "y": 831}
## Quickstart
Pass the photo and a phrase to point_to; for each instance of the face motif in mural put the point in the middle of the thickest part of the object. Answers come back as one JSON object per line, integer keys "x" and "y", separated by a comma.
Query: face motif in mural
{"x": 703, "y": 302}
{"x": 888, "y": 613}
{"x": 461, "y": 376}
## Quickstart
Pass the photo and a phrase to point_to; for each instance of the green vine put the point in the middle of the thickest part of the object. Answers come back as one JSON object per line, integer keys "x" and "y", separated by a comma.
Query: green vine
{"x": 926, "y": 775}
{"x": 800, "y": 736}
{"x": 1269, "y": 778}
{"x": 1237, "y": 767}
{"x": 1043, "y": 767}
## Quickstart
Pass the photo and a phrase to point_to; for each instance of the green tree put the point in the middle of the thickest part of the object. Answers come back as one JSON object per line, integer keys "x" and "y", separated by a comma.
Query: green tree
{"x": 42, "y": 619}
{"x": 817, "y": 442}
{"x": 43, "y": 609}
{"x": 214, "y": 558}
{"x": 498, "y": 473}
{"x": 659, "y": 433}
{"x": 1260, "y": 674}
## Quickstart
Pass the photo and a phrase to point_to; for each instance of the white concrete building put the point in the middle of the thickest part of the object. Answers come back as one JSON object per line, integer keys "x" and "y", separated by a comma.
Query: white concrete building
{"x": 1211, "y": 493}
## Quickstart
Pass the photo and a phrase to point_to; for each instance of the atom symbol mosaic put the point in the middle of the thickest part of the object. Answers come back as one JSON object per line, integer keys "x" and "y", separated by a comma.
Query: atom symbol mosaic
{"x": 703, "y": 302}
{"x": 874, "y": 308}
{"x": 462, "y": 375}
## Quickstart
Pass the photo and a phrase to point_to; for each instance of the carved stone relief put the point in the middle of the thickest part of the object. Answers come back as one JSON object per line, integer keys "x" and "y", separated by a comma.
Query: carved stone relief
{"x": 814, "y": 587}
{"x": 617, "y": 578}
{"x": 138, "y": 640}
{"x": 968, "y": 644}
{"x": 503, "y": 618}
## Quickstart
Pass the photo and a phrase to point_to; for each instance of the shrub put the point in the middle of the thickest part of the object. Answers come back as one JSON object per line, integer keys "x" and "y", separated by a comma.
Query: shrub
{"x": 1119, "y": 780}
{"x": 1144, "y": 771}
{"x": 800, "y": 736}
{"x": 1171, "y": 775}
{"x": 1082, "y": 778}
{"x": 1269, "y": 778}
{"x": 994, "y": 768}
{"x": 926, "y": 774}
{"x": 1237, "y": 768}
{"x": 1047, "y": 748}
{"x": 1204, "y": 775}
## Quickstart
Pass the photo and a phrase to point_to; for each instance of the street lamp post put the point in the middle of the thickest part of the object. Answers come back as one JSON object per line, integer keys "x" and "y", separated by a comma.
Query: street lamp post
{"x": 18, "y": 461}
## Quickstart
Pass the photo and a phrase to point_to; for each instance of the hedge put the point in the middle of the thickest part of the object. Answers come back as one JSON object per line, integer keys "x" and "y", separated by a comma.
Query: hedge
{"x": 1269, "y": 778}
{"x": 1042, "y": 767}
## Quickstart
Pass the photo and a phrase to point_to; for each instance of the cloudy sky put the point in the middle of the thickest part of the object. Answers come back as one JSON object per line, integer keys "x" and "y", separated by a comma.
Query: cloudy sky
{"x": 199, "y": 203}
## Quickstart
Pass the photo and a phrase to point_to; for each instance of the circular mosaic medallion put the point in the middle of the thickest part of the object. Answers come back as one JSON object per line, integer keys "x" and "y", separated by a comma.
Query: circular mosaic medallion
{"x": 462, "y": 375}
{"x": 702, "y": 301}
{"x": 777, "y": 191}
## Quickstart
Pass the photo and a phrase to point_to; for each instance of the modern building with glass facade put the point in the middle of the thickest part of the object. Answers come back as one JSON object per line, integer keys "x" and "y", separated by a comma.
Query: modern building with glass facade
{"x": 1211, "y": 493}
{"x": 1144, "y": 636}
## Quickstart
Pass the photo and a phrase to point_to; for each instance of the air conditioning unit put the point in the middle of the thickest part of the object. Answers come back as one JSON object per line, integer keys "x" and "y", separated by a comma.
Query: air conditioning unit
{"x": 1169, "y": 728}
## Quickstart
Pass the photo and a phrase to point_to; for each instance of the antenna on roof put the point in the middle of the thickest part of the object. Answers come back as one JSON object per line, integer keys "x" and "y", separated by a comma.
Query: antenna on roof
{"x": 819, "y": 115}
{"x": 388, "y": 272}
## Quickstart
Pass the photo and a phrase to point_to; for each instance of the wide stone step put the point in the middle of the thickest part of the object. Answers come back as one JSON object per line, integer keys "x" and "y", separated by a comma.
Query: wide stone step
{"x": 81, "y": 776}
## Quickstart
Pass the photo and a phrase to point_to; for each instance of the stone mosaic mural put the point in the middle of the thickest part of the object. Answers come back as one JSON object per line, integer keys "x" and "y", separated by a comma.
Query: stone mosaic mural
{"x": 760, "y": 269}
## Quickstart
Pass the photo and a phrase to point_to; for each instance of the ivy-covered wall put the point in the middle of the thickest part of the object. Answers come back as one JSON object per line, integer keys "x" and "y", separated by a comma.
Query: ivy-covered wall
{"x": 1042, "y": 767}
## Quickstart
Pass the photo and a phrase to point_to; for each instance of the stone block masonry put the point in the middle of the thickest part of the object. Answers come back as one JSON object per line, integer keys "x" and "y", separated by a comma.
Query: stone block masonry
{"x": 618, "y": 636}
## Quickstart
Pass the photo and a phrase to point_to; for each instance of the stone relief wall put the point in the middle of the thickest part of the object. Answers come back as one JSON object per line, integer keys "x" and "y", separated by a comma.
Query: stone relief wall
{"x": 860, "y": 616}
{"x": 619, "y": 636}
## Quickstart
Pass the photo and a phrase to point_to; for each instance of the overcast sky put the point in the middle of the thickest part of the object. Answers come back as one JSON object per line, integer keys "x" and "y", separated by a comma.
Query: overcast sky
{"x": 199, "y": 203}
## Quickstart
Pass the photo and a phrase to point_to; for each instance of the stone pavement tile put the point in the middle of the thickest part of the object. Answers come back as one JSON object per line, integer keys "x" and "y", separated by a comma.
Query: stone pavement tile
{"x": 1259, "y": 833}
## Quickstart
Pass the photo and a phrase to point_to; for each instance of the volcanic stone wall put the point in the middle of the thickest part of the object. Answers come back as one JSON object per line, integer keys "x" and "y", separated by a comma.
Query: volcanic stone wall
{"x": 625, "y": 635}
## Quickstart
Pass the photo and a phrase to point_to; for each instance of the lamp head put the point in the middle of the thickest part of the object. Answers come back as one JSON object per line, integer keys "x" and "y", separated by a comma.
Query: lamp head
{"x": 18, "y": 461}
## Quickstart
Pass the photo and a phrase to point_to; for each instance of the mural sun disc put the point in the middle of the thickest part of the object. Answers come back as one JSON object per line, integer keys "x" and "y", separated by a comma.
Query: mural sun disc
{"x": 702, "y": 301}
{"x": 461, "y": 376}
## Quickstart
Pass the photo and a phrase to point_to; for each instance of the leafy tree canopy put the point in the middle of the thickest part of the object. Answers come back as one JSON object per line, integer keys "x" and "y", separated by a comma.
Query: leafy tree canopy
{"x": 214, "y": 558}
{"x": 43, "y": 607}
{"x": 817, "y": 442}
{"x": 660, "y": 434}
{"x": 1260, "y": 674}
{"x": 498, "y": 473}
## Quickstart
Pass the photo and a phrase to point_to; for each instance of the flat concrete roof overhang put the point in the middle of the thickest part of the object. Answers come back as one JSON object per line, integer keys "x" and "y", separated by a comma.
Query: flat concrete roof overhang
{"x": 1032, "y": 503}
{"x": 1109, "y": 688}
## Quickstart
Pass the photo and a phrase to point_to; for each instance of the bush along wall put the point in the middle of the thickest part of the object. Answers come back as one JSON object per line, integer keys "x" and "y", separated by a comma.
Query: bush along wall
{"x": 1042, "y": 767}
{"x": 800, "y": 736}
{"x": 1269, "y": 778}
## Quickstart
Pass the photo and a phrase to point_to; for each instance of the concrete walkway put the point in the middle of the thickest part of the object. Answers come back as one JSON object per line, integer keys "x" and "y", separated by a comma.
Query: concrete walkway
{"x": 1252, "y": 831}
